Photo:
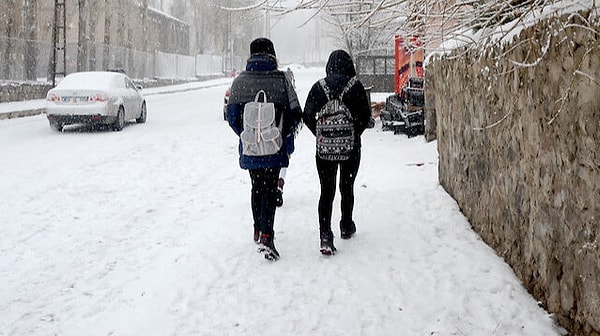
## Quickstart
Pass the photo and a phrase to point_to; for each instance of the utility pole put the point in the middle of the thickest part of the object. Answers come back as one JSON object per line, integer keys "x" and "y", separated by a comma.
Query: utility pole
{"x": 58, "y": 62}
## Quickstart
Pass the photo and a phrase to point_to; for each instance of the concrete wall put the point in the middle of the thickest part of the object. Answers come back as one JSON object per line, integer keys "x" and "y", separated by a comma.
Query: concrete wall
{"x": 518, "y": 131}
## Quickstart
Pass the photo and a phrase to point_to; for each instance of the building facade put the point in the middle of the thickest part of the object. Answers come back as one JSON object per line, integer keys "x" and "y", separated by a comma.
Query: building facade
{"x": 99, "y": 35}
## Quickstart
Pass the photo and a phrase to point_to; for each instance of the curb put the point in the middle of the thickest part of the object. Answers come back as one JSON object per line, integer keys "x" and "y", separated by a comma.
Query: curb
{"x": 152, "y": 92}
{"x": 19, "y": 114}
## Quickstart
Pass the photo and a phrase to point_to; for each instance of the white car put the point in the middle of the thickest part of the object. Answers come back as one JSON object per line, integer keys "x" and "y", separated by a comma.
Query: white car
{"x": 95, "y": 97}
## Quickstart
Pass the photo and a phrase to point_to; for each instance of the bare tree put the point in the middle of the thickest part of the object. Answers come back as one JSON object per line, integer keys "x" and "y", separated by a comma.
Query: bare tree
{"x": 31, "y": 29}
{"x": 349, "y": 20}
{"x": 122, "y": 40}
{"x": 107, "y": 28}
{"x": 9, "y": 17}
{"x": 223, "y": 27}
{"x": 476, "y": 22}
{"x": 82, "y": 39}
{"x": 179, "y": 8}
{"x": 344, "y": 17}
{"x": 94, "y": 7}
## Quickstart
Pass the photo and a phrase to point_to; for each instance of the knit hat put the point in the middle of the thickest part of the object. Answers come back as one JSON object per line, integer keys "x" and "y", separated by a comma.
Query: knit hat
{"x": 262, "y": 45}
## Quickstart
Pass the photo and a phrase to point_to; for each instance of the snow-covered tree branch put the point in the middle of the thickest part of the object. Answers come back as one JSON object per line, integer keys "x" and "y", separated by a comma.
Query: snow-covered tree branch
{"x": 439, "y": 23}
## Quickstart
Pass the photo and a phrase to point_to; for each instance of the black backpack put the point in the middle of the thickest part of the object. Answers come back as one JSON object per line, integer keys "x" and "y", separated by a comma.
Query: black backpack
{"x": 335, "y": 126}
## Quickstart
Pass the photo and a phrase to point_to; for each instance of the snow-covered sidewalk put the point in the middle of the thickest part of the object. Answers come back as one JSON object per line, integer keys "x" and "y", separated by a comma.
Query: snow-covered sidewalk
{"x": 37, "y": 105}
{"x": 148, "y": 232}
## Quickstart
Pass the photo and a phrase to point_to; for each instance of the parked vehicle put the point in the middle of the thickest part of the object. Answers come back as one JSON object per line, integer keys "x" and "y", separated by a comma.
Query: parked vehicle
{"x": 225, "y": 102}
{"x": 95, "y": 97}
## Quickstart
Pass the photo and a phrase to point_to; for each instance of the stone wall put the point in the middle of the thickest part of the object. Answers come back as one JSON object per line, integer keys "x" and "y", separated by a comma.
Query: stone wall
{"x": 518, "y": 131}
{"x": 16, "y": 91}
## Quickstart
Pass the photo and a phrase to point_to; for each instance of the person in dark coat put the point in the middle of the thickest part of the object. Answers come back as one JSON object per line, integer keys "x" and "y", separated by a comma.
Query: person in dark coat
{"x": 262, "y": 74}
{"x": 339, "y": 70}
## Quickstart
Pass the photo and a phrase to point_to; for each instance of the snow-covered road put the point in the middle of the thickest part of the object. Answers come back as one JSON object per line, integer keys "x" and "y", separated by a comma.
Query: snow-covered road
{"x": 148, "y": 232}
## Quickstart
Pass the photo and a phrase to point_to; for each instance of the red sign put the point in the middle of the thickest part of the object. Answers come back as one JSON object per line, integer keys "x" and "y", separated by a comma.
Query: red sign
{"x": 409, "y": 60}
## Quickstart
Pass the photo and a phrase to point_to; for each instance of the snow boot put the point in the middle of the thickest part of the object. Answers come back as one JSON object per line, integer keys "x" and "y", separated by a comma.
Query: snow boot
{"x": 327, "y": 247}
{"x": 347, "y": 230}
{"x": 267, "y": 247}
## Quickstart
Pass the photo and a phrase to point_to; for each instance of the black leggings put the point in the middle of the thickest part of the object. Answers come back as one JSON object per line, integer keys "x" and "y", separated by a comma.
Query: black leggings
{"x": 327, "y": 175}
{"x": 263, "y": 197}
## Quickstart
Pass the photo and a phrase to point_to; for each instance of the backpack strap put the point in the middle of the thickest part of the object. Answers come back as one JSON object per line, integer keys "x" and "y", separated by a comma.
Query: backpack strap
{"x": 280, "y": 126}
{"x": 326, "y": 89}
{"x": 257, "y": 97}
{"x": 348, "y": 86}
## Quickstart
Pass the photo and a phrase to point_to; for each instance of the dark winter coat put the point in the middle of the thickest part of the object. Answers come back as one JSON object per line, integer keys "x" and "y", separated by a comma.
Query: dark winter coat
{"x": 339, "y": 71}
{"x": 262, "y": 74}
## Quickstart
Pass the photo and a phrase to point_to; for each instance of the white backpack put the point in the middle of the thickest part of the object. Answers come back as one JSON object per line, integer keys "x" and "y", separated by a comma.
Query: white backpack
{"x": 261, "y": 135}
{"x": 335, "y": 126}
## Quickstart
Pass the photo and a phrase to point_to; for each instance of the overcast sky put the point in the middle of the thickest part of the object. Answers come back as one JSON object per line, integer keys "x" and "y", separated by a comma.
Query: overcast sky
{"x": 299, "y": 41}
{"x": 295, "y": 39}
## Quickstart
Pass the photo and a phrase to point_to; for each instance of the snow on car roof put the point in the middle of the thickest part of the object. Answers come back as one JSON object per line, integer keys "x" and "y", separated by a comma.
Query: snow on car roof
{"x": 92, "y": 80}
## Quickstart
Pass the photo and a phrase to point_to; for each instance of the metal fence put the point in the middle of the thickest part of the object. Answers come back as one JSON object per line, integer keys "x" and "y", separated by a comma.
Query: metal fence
{"x": 22, "y": 60}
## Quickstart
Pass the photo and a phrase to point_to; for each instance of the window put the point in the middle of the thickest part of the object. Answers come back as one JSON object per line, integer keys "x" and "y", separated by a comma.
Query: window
{"x": 380, "y": 66}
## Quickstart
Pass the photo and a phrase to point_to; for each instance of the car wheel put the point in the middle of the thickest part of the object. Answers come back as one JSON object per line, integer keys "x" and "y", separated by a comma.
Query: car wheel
{"x": 55, "y": 125}
{"x": 143, "y": 114}
{"x": 120, "y": 122}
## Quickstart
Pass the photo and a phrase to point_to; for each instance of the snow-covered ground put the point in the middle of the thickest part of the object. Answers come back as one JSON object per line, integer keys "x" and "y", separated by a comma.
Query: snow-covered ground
{"x": 148, "y": 232}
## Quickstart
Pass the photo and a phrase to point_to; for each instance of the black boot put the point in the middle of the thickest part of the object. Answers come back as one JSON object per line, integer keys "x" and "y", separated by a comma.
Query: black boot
{"x": 267, "y": 247}
{"x": 327, "y": 247}
{"x": 347, "y": 230}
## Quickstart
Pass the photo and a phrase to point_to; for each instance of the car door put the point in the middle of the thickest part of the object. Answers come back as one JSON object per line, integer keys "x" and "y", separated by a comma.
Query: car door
{"x": 131, "y": 98}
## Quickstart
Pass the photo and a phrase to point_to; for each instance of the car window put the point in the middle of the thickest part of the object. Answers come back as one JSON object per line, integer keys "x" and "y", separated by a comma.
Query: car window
{"x": 129, "y": 84}
{"x": 117, "y": 82}
{"x": 86, "y": 80}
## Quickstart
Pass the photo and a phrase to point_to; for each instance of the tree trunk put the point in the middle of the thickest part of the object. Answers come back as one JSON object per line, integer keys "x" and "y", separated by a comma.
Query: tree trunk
{"x": 107, "y": 26}
{"x": 31, "y": 52}
{"x": 145, "y": 39}
{"x": 10, "y": 26}
{"x": 93, "y": 8}
{"x": 122, "y": 35}
{"x": 199, "y": 26}
{"x": 82, "y": 40}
